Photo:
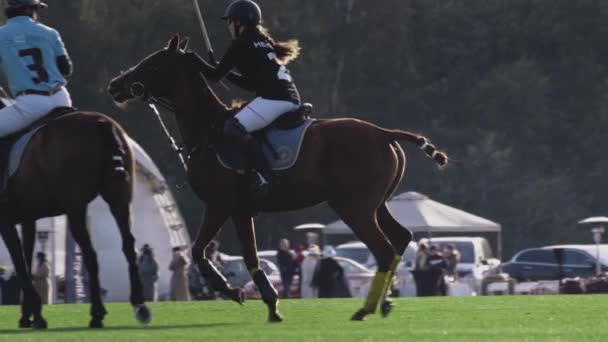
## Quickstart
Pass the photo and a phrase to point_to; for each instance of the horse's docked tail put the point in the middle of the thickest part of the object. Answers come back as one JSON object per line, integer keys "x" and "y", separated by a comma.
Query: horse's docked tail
{"x": 438, "y": 156}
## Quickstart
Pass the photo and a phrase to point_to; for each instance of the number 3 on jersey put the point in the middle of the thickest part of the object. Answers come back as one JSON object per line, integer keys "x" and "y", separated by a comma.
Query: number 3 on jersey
{"x": 37, "y": 66}
{"x": 283, "y": 73}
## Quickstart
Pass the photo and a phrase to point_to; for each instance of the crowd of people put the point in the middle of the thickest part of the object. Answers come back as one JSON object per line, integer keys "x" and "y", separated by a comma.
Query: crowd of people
{"x": 316, "y": 274}
{"x": 319, "y": 274}
{"x": 433, "y": 267}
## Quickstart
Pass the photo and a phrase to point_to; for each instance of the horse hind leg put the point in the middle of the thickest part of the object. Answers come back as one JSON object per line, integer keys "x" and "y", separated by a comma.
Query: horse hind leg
{"x": 28, "y": 237}
{"x": 122, "y": 215}
{"x": 365, "y": 226}
{"x": 399, "y": 237}
{"x": 78, "y": 227}
{"x": 31, "y": 304}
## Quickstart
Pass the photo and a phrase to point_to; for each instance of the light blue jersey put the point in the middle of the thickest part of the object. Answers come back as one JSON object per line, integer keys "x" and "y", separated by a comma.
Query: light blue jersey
{"x": 28, "y": 55}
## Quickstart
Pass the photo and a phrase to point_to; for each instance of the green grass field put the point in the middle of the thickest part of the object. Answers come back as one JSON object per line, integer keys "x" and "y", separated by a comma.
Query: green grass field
{"x": 512, "y": 318}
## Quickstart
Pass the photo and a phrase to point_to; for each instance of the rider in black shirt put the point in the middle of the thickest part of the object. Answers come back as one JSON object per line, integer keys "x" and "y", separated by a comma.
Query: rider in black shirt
{"x": 261, "y": 63}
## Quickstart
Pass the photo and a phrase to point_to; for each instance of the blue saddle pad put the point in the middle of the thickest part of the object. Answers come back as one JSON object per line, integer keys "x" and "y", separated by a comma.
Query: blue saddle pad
{"x": 286, "y": 144}
{"x": 15, "y": 154}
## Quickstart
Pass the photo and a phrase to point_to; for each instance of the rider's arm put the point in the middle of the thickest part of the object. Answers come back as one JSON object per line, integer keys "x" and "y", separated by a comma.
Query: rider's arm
{"x": 222, "y": 70}
{"x": 228, "y": 62}
{"x": 64, "y": 63}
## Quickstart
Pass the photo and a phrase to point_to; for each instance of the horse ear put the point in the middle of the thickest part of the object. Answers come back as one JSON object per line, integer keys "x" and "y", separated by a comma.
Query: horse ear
{"x": 173, "y": 43}
{"x": 183, "y": 45}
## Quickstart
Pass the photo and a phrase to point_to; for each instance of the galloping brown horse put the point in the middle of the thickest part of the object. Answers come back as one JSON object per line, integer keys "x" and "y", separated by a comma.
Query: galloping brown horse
{"x": 65, "y": 165}
{"x": 353, "y": 165}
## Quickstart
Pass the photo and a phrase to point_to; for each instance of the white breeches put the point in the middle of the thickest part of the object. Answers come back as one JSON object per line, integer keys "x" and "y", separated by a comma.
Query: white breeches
{"x": 29, "y": 108}
{"x": 261, "y": 112}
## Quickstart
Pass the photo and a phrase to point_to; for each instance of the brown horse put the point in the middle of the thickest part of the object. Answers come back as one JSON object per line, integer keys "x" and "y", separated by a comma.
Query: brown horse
{"x": 65, "y": 165}
{"x": 352, "y": 165}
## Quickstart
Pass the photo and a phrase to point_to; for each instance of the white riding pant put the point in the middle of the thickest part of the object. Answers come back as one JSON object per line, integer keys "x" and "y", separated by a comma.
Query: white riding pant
{"x": 261, "y": 112}
{"x": 29, "y": 108}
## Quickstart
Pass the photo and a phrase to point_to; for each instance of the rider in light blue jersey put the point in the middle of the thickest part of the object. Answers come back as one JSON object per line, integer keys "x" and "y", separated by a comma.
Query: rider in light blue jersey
{"x": 35, "y": 62}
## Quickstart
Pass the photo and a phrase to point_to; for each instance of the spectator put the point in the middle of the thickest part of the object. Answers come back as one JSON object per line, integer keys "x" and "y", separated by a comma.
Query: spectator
{"x": 195, "y": 283}
{"x": 329, "y": 276}
{"x": 2, "y": 280}
{"x": 286, "y": 265}
{"x": 148, "y": 272}
{"x": 421, "y": 256}
{"x": 179, "y": 282}
{"x": 11, "y": 292}
{"x": 212, "y": 253}
{"x": 308, "y": 269}
{"x": 42, "y": 279}
{"x": 452, "y": 257}
{"x": 437, "y": 264}
{"x": 299, "y": 255}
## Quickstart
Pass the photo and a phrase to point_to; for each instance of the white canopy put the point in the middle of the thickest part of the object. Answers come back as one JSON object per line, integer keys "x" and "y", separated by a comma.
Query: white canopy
{"x": 419, "y": 213}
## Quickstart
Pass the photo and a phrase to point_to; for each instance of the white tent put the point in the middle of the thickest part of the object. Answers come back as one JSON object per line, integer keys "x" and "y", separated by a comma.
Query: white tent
{"x": 156, "y": 221}
{"x": 421, "y": 214}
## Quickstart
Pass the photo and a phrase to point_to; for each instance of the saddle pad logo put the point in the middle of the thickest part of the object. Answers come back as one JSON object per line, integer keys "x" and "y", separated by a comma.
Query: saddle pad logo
{"x": 284, "y": 153}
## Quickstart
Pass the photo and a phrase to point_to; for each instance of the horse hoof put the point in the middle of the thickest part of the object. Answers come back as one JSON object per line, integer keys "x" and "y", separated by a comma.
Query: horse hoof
{"x": 39, "y": 324}
{"x": 275, "y": 317}
{"x": 25, "y": 323}
{"x": 359, "y": 315}
{"x": 386, "y": 307}
{"x": 96, "y": 323}
{"x": 142, "y": 314}
{"x": 237, "y": 295}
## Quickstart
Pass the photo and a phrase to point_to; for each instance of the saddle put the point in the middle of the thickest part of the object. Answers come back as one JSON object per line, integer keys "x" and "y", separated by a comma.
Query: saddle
{"x": 279, "y": 143}
{"x": 7, "y": 143}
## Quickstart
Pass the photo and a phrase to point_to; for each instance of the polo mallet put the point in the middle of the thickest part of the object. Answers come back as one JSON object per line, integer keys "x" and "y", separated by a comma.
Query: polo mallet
{"x": 206, "y": 38}
{"x": 204, "y": 30}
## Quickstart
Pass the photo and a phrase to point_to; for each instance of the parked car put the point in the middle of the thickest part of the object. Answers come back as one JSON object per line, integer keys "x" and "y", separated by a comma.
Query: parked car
{"x": 541, "y": 263}
{"x": 358, "y": 251}
{"x": 358, "y": 276}
{"x": 476, "y": 257}
{"x": 237, "y": 274}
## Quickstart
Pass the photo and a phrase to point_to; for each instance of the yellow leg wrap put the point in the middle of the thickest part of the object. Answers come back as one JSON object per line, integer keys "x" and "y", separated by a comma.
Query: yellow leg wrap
{"x": 391, "y": 274}
{"x": 375, "y": 291}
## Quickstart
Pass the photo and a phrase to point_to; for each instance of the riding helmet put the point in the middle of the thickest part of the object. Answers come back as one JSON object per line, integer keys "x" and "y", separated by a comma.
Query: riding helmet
{"x": 246, "y": 11}
{"x": 23, "y": 3}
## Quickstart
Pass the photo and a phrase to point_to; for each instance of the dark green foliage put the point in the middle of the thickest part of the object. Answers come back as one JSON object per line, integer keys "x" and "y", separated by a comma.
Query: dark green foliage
{"x": 515, "y": 91}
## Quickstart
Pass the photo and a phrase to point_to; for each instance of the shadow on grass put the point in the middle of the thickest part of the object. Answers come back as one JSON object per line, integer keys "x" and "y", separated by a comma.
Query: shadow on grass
{"x": 113, "y": 328}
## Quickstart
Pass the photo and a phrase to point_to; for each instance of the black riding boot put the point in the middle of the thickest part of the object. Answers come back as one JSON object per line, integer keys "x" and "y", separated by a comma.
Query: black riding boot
{"x": 260, "y": 175}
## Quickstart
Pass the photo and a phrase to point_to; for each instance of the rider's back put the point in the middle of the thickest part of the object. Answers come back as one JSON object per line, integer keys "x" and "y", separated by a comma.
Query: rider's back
{"x": 28, "y": 53}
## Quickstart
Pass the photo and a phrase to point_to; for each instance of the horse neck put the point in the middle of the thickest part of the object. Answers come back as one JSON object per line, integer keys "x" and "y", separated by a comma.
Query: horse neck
{"x": 197, "y": 108}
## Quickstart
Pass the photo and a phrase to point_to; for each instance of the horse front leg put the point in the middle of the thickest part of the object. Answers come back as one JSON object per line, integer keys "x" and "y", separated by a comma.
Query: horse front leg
{"x": 246, "y": 232}
{"x": 31, "y": 303}
{"x": 122, "y": 215}
{"x": 213, "y": 220}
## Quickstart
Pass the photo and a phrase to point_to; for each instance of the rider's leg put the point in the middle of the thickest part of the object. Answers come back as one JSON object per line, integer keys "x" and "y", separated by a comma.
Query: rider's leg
{"x": 26, "y": 110}
{"x": 258, "y": 114}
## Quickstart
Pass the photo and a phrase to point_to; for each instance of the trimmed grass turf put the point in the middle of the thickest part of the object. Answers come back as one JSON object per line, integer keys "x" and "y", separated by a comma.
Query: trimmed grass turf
{"x": 509, "y": 318}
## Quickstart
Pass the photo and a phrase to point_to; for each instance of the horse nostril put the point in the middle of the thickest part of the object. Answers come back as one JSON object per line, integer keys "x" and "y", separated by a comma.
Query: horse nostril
{"x": 137, "y": 89}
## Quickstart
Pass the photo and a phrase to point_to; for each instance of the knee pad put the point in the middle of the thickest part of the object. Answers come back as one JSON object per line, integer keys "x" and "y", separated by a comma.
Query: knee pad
{"x": 234, "y": 129}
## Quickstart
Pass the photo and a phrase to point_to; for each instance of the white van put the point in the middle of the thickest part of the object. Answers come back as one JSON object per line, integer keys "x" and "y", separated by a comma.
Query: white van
{"x": 476, "y": 257}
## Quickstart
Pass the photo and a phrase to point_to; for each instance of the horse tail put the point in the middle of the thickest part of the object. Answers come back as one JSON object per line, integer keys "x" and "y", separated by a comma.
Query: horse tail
{"x": 425, "y": 144}
{"x": 118, "y": 151}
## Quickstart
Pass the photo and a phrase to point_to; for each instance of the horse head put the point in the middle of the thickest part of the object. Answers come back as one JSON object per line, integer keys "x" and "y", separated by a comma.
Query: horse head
{"x": 154, "y": 77}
